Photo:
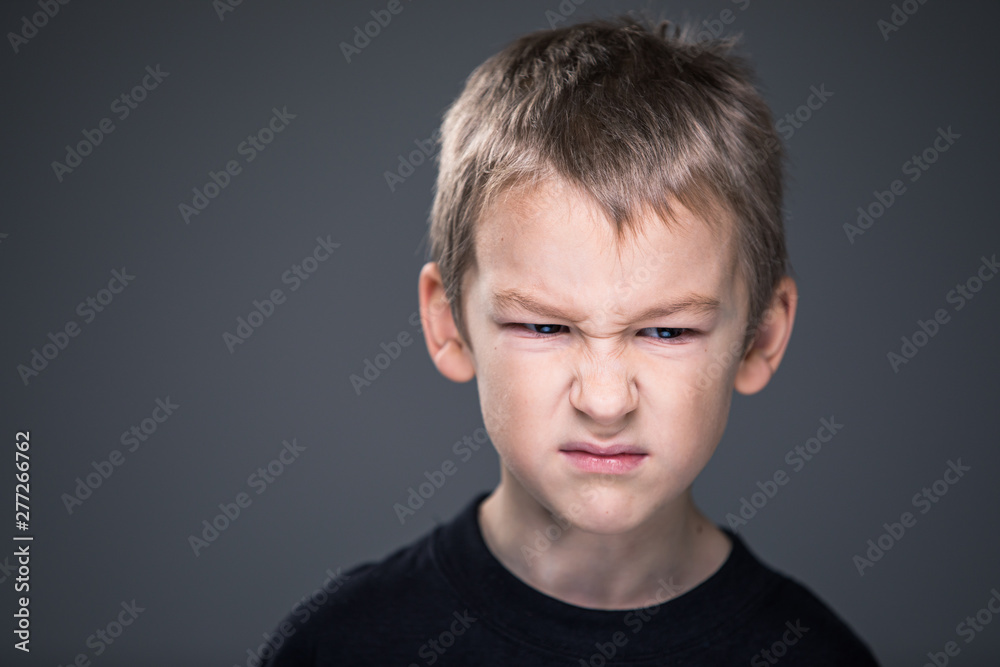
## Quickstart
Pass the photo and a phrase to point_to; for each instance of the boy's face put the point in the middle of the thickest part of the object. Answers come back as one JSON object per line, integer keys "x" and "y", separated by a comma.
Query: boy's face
{"x": 600, "y": 372}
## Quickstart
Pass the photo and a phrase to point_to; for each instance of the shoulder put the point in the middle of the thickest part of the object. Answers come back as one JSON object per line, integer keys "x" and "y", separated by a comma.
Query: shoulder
{"x": 350, "y": 608}
{"x": 789, "y": 618}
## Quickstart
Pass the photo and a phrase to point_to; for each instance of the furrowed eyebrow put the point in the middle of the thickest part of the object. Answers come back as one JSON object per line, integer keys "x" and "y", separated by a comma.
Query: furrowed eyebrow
{"x": 688, "y": 303}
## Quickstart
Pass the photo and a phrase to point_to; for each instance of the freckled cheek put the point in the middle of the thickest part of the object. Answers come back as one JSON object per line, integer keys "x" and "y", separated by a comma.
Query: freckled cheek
{"x": 690, "y": 422}
{"x": 514, "y": 399}
{"x": 530, "y": 378}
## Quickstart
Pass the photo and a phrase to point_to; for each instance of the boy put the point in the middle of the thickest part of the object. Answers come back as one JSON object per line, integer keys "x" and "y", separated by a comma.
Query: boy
{"x": 609, "y": 264}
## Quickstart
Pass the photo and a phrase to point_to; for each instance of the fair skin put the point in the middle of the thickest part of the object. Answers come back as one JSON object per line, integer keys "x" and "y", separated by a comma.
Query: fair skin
{"x": 602, "y": 372}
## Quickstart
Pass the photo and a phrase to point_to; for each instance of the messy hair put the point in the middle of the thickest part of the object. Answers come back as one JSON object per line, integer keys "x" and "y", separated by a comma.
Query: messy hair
{"x": 633, "y": 113}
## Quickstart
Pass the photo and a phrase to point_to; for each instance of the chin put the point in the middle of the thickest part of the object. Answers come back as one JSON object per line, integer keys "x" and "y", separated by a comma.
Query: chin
{"x": 605, "y": 510}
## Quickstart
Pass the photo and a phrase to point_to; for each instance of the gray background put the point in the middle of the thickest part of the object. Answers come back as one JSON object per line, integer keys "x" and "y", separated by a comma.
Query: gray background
{"x": 324, "y": 175}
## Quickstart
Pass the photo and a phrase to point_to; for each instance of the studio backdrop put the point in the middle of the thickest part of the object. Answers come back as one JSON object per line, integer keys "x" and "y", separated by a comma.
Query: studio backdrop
{"x": 214, "y": 374}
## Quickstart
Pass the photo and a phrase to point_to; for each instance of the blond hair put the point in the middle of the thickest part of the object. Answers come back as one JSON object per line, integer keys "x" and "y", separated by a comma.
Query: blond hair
{"x": 632, "y": 113}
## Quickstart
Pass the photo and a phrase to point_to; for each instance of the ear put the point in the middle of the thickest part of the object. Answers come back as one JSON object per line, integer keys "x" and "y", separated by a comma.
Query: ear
{"x": 768, "y": 347}
{"x": 444, "y": 343}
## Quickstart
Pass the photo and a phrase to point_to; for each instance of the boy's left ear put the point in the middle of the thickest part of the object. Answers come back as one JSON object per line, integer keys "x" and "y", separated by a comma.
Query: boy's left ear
{"x": 765, "y": 353}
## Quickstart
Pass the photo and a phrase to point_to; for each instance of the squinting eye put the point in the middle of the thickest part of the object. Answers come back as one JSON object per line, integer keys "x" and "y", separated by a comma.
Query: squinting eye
{"x": 541, "y": 326}
{"x": 668, "y": 333}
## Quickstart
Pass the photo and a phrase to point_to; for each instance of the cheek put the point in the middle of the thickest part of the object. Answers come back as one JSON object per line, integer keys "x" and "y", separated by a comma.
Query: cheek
{"x": 708, "y": 378}
{"x": 695, "y": 419}
{"x": 516, "y": 398}
{"x": 712, "y": 413}
{"x": 693, "y": 405}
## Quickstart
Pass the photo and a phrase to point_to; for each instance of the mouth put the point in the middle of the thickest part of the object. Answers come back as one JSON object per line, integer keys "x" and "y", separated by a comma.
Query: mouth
{"x": 614, "y": 459}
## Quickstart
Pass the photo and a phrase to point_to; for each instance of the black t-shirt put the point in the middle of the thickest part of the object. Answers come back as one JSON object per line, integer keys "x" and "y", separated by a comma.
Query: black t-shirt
{"x": 446, "y": 600}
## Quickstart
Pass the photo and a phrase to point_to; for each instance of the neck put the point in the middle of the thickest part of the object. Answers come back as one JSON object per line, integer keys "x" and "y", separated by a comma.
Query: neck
{"x": 673, "y": 551}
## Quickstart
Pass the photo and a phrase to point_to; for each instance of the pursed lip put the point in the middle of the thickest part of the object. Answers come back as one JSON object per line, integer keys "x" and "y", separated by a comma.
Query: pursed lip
{"x": 610, "y": 450}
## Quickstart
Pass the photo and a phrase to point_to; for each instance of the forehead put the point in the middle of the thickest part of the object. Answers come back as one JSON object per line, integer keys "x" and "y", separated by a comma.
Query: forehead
{"x": 554, "y": 243}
